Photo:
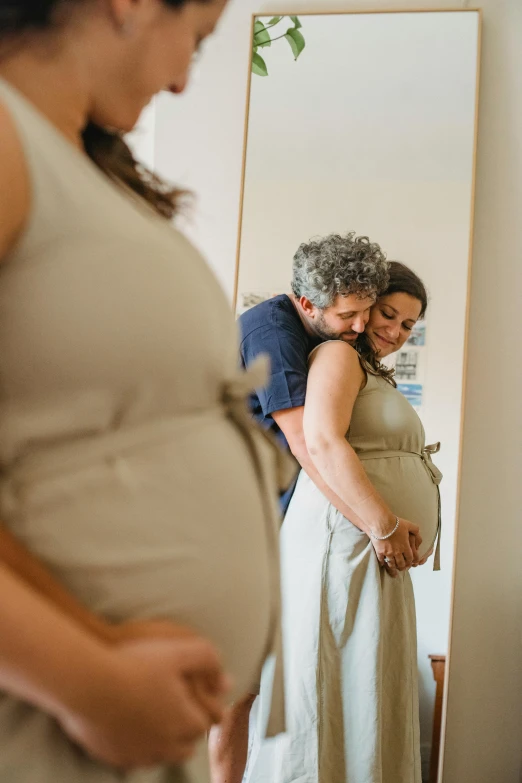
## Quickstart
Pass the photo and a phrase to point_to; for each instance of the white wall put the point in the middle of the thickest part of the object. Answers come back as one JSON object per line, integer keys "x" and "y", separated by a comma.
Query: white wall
{"x": 199, "y": 140}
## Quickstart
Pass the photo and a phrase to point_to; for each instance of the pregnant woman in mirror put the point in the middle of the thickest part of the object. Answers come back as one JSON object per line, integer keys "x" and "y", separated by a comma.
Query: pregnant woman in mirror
{"x": 349, "y": 629}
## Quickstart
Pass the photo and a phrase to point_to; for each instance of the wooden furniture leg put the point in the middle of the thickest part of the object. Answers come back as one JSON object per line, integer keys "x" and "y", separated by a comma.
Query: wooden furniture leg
{"x": 438, "y": 664}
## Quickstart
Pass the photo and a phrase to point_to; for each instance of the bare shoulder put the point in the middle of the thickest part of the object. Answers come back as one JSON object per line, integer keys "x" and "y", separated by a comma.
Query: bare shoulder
{"x": 337, "y": 351}
{"x": 335, "y": 364}
{"x": 14, "y": 183}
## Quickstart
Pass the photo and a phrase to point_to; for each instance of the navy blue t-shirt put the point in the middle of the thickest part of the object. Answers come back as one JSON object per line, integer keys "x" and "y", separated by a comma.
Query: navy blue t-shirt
{"x": 274, "y": 328}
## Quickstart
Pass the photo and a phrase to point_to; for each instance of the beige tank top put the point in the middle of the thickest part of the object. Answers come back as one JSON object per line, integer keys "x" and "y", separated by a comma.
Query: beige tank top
{"x": 387, "y": 435}
{"x": 91, "y": 306}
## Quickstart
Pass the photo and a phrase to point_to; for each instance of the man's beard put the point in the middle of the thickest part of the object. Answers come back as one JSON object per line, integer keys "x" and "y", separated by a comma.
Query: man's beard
{"x": 325, "y": 332}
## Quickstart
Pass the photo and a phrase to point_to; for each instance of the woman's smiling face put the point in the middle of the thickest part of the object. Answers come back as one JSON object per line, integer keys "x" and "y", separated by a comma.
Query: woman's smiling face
{"x": 392, "y": 318}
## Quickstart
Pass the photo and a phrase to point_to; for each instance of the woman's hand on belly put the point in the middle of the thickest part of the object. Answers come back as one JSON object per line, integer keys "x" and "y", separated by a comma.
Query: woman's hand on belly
{"x": 400, "y": 551}
{"x": 207, "y": 688}
{"x": 413, "y": 543}
{"x": 145, "y": 709}
{"x": 426, "y": 557}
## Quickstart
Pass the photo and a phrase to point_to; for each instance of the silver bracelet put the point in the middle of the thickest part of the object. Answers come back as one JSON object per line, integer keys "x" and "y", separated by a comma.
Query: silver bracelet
{"x": 383, "y": 538}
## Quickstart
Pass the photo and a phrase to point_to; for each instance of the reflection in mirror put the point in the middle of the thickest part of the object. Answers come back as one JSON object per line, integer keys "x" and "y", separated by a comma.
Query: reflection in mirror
{"x": 371, "y": 130}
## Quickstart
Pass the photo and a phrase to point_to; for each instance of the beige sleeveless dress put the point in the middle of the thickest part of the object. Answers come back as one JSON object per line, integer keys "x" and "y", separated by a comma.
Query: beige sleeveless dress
{"x": 128, "y": 462}
{"x": 349, "y": 629}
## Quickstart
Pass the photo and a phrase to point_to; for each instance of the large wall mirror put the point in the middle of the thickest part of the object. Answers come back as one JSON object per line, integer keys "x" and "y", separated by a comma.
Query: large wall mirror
{"x": 372, "y": 129}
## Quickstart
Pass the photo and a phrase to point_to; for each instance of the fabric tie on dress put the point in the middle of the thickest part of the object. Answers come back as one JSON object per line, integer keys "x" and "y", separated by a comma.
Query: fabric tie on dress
{"x": 283, "y": 467}
{"x": 436, "y": 476}
{"x": 426, "y": 453}
{"x": 234, "y": 397}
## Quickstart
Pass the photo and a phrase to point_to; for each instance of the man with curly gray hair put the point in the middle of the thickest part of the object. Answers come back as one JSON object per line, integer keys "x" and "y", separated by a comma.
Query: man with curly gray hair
{"x": 334, "y": 266}
{"x": 336, "y": 279}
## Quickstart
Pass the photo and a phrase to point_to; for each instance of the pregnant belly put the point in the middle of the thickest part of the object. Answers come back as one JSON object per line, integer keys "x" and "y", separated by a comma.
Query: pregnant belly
{"x": 172, "y": 530}
{"x": 406, "y": 486}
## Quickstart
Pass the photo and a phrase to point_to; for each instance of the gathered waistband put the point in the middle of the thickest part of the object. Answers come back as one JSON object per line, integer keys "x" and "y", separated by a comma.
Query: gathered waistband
{"x": 82, "y": 451}
{"x": 424, "y": 455}
{"x": 108, "y": 446}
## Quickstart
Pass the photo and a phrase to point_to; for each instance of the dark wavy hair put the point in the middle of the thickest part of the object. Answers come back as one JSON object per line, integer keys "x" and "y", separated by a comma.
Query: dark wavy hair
{"x": 402, "y": 280}
{"x": 107, "y": 148}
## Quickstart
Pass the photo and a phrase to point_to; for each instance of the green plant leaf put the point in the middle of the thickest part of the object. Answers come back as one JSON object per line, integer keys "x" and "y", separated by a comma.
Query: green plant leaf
{"x": 296, "y": 41}
{"x": 259, "y": 65}
{"x": 275, "y": 20}
{"x": 261, "y": 35}
{"x": 296, "y": 21}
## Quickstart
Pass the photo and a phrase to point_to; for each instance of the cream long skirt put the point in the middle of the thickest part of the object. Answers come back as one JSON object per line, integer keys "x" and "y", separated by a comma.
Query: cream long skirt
{"x": 350, "y": 658}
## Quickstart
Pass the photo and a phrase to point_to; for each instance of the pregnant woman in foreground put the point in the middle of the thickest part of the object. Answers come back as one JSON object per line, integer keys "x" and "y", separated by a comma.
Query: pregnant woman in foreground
{"x": 349, "y": 628}
{"x": 128, "y": 467}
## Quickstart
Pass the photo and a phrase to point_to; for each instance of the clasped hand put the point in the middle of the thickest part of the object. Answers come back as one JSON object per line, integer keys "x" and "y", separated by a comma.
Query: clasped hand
{"x": 162, "y": 689}
{"x": 401, "y": 551}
